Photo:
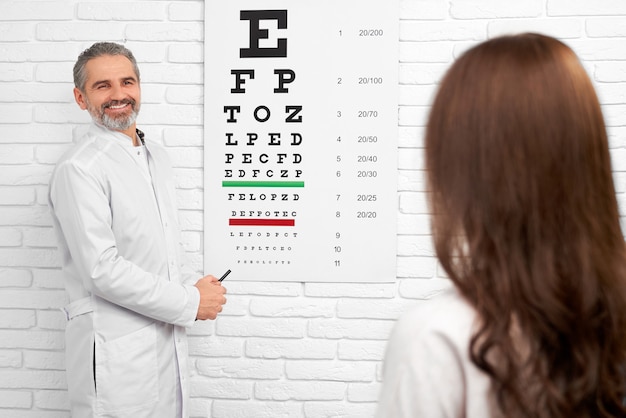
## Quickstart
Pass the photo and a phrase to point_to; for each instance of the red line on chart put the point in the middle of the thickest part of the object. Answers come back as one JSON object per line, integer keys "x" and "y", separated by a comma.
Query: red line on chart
{"x": 261, "y": 222}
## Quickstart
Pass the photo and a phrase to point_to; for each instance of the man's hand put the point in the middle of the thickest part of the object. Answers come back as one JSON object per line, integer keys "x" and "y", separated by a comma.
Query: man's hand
{"x": 211, "y": 297}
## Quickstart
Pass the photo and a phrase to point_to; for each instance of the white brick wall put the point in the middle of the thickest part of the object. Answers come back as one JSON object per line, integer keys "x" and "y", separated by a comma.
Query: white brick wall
{"x": 278, "y": 349}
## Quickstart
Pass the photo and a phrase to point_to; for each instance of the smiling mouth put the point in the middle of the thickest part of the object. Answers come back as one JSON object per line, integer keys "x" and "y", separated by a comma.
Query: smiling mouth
{"x": 118, "y": 106}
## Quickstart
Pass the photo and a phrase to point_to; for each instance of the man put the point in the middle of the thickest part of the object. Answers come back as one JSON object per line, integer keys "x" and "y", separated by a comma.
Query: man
{"x": 113, "y": 205}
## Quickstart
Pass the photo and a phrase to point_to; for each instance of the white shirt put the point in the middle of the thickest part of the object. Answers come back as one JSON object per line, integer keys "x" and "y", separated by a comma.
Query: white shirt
{"x": 114, "y": 212}
{"x": 427, "y": 370}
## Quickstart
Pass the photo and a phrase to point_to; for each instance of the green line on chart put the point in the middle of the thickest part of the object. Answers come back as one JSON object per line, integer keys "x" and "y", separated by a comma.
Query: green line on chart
{"x": 262, "y": 183}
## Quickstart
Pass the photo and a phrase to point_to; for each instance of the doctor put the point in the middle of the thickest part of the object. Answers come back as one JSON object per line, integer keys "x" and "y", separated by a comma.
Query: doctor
{"x": 131, "y": 295}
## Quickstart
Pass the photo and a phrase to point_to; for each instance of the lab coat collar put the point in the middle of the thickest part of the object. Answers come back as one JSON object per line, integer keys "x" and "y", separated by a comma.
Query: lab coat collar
{"x": 122, "y": 139}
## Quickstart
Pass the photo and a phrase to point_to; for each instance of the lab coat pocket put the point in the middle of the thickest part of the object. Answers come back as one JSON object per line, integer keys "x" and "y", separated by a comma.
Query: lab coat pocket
{"x": 126, "y": 373}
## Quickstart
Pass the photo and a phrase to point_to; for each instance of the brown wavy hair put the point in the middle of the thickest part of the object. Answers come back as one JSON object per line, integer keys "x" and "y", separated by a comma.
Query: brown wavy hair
{"x": 526, "y": 224}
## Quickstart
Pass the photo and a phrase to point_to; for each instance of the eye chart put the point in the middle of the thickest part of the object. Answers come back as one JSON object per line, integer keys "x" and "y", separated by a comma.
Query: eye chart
{"x": 300, "y": 151}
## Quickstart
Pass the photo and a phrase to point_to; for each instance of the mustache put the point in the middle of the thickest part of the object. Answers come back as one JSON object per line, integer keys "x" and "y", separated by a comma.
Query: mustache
{"x": 129, "y": 101}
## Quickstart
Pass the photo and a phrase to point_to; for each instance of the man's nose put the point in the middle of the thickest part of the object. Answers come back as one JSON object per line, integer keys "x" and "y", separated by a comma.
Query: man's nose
{"x": 117, "y": 93}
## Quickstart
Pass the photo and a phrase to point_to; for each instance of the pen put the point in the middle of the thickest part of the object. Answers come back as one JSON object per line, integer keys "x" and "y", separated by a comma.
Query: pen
{"x": 224, "y": 275}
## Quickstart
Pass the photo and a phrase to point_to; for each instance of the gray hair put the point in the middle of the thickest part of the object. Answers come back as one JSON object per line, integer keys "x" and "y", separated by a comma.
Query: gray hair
{"x": 97, "y": 50}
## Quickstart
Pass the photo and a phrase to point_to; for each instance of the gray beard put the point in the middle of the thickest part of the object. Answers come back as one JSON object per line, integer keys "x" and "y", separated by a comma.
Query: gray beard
{"x": 120, "y": 123}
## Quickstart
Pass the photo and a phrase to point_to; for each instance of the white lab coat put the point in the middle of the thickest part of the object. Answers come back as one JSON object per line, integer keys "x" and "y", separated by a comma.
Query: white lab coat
{"x": 130, "y": 293}
{"x": 428, "y": 371}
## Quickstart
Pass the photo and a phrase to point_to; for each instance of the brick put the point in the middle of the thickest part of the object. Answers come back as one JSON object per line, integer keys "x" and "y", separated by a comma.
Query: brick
{"x": 36, "y": 10}
{"x": 363, "y": 392}
{"x": 16, "y": 32}
{"x": 81, "y": 31}
{"x": 361, "y": 350}
{"x": 20, "y": 399}
{"x": 24, "y": 176}
{"x": 442, "y": 31}
{"x": 618, "y": 159}
{"x": 131, "y": 11}
{"x": 606, "y": 27}
{"x": 192, "y": 241}
{"x": 413, "y": 115}
{"x": 215, "y": 346}
{"x": 25, "y": 216}
{"x": 415, "y": 245}
{"x": 617, "y": 138}
{"x": 190, "y": 199}
{"x": 369, "y": 309}
{"x": 240, "y": 368}
{"x": 50, "y": 154}
{"x": 254, "y": 327}
{"x": 17, "y": 319}
{"x": 51, "y": 320}
{"x": 171, "y": 115}
{"x": 60, "y": 113}
{"x": 337, "y": 409}
{"x": 422, "y": 267}
{"x": 426, "y": 52}
{"x": 596, "y": 49}
{"x": 16, "y": 113}
{"x": 413, "y": 203}
{"x": 32, "y": 299}
{"x": 48, "y": 360}
{"x": 14, "y": 72}
{"x": 186, "y": 53}
{"x": 183, "y": 136}
{"x": 494, "y": 9}
{"x": 583, "y": 7}
{"x": 240, "y": 409}
{"x": 10, "y": 237}
{"x": 266, "y": 288}
{"x": 185, "y": 95}
{"x": 35, "y": 133}
{"x": 16, "y": 154}
{"x": 38, "y": 52}
{"x": 190, "y": 157}
{"x": 423, "y": 10}
{"x": 221, "y": 388}
{"x": 292, "y": 308}
{"x": 411, "y": 159}
{"x": 9, "y": 359}
{"x": 47, "y": 278}
{"x": 170, "y": 32}
{"x": 559, "y": 28}
{"x": 413, "y": 224}
{"x": 357, "y": 290}
{"x": 423, "y": 289}
{"x": 274, "y": 348}
{"x": 186, "y": 11}
{"x": 36, "y": 340}
{"x": 39, "y": 237}
{"x": 300, "y": 391}
{"x": 52, "y": 399}
{"x": 611, "y": 72}
{"x": 614, "y": 114}
{"x": 416, "y": 95}
{"x": 349, "y": 328}
{"x": 31, "y": 93}
{"x": 15, "y": 278}
{"x": 411, "y": 179}
{"x": 172, "y": 73}
{"x": 33, "y": 379}
{"x": 334, "y": 371}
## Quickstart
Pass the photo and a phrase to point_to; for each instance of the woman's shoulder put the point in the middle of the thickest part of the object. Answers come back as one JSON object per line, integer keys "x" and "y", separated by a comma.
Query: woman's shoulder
{"x": 444, "y": 320}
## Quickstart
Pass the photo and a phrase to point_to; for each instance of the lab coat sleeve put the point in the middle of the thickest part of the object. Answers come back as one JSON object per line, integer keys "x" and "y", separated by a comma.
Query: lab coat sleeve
{"x": 80, "y": 204}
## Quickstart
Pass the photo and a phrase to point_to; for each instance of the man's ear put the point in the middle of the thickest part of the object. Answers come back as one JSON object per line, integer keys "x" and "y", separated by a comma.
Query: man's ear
{"x": 80, "y": 98}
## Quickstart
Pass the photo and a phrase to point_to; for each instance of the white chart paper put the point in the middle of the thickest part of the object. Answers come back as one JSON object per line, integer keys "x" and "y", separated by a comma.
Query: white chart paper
{"x": 300, "y": 146}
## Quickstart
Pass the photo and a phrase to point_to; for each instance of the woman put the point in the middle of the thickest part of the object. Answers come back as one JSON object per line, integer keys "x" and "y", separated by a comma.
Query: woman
{"x": 526, "y": 225}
